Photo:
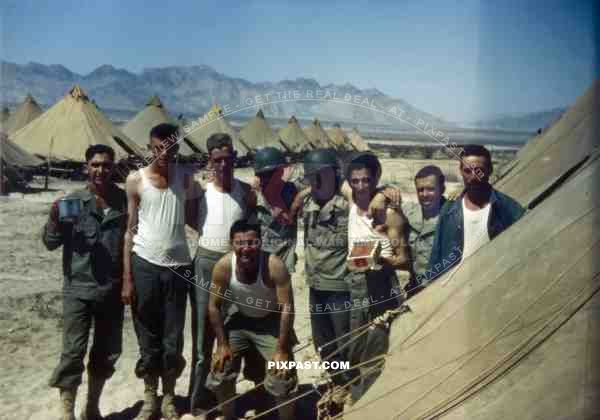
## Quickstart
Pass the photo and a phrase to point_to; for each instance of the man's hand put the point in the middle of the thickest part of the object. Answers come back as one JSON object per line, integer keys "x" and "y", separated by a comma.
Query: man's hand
{"x": 280, "y": 356}
{"x": 393, "y": 195}
{"x": 128, "y": 291}
{"x": 54, "y": 213}
{"x": 222, "y": 355}
{"x": 387, "y": 197}
{"x": 454, "y": 194}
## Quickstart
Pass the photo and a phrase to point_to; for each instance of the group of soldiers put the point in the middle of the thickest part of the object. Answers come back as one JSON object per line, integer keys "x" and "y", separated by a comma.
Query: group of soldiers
{"x": 129, "y": 247}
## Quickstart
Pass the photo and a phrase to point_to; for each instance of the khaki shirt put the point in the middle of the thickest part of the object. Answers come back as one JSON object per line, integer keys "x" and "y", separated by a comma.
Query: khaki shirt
{"x": 420, "y": 237}
{"x": 326, "y": 243}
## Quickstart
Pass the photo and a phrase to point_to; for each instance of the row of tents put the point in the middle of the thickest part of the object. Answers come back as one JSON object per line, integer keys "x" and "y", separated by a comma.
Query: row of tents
{"x": 64, "y": 131}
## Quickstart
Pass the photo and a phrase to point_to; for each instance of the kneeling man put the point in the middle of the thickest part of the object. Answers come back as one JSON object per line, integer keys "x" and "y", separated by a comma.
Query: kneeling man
{"x": 259, "y": 320}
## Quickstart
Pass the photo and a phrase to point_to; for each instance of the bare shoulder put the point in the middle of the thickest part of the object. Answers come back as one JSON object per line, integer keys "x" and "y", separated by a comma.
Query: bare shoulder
{"x": 277, "y": 270}
{"x": 224, "y": 263}
{"x": 133, "y": 182}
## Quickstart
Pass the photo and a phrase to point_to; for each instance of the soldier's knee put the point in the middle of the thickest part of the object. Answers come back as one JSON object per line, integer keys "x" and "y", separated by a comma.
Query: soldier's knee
{"x": 281, "y": 387}
{"x": 224, "y": 379}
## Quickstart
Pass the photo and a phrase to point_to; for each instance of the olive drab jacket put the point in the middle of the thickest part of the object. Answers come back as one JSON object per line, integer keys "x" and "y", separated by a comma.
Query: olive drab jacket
{"x": 326, "y": 243}
{"x": 421, "y": 233}
{"x": 92, "y": 247}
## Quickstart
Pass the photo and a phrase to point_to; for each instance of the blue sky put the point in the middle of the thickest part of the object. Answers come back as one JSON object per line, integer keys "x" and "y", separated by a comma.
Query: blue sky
{"x": 457, "y": 59}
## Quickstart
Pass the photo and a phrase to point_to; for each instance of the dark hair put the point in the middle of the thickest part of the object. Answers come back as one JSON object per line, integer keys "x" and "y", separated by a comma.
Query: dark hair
{"x": 432, "y": 170}
{"x": 218, "y": 141}
{"x": 96, "y": 149}
{"x": 365, "y": 161}
{"x": 165, "y": 132}
{"x": 243, "y": 225}
{"x": 476, "y": 150}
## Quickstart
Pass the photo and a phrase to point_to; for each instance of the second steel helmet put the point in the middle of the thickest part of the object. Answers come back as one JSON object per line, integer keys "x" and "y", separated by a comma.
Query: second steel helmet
{"x": 318, "y": 159}
{"x": 268, "y": 159}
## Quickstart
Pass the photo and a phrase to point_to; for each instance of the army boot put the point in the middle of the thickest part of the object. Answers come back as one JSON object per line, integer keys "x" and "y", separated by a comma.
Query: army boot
{"x": 67, "y": 403}
{"x": 150, "y": 406}
{"x": 92, "y": 409}
{"x": 167, "y": 408}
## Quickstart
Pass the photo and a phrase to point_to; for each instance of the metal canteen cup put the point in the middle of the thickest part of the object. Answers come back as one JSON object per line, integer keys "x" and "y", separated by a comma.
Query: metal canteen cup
{"x": 69, "y": 209}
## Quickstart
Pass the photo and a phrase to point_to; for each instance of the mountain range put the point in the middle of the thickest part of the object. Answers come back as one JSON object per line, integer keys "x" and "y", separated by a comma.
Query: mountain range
{"x": 192, "y": 90}
{"x": 530, "y": 121}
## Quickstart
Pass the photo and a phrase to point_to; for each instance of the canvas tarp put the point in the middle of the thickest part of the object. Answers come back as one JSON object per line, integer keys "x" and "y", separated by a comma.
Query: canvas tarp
{"x": 28, "y": 111}
{"x": 199, "y": 130}
{"x": 317, "y": 135}
{"x": 547, "y": 157}
{"x": 509, "y": 333}
{"x": 138, "y": 128}
{"x": 68, "y": 128}
{"x": 4, "y": 114}
{"x": 512, "y": 332}
{"x": 257, "y": 134}
{"x": 293, "y": 136}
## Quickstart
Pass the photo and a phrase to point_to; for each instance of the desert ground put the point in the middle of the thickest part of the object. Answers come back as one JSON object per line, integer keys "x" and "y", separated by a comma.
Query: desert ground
{"x": 30, "y": 308}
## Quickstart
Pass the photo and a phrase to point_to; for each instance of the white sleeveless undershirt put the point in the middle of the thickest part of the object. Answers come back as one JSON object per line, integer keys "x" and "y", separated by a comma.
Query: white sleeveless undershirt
{"x": 360, "y": 229}
{"x": 222, "y": 210}
{"x": 160, "y": 237}
{"x": 255, "y": 300}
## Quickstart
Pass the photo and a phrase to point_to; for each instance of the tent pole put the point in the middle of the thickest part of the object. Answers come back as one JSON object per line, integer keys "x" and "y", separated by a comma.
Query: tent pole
{"x": 48, "y": 165}
{"x": 3, "y": 185}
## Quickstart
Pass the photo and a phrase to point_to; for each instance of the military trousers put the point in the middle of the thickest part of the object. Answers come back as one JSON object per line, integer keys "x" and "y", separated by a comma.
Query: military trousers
{"x": 329, "y": 320}
{"x": 159, "y": 317}
{"x": 203, "y": 336}
{"x": 372, "y": 292}
{"x": 106, "y": 316}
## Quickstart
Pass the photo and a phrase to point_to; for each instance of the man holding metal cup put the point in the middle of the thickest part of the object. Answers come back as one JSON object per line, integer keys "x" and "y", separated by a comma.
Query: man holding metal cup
{"x": 90, "y": 225}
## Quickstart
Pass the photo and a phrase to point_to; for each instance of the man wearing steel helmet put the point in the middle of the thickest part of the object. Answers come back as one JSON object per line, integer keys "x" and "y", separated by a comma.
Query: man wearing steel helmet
{"x": 273, "y": 209}
{"x": 325, "y": 216}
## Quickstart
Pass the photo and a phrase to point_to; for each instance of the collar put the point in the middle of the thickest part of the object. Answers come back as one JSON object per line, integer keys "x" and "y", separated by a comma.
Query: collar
{"x": 336, "y": 201}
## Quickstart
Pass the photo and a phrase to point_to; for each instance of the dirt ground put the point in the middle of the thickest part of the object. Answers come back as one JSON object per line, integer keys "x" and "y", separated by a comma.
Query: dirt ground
{"x": 30, "y": 310}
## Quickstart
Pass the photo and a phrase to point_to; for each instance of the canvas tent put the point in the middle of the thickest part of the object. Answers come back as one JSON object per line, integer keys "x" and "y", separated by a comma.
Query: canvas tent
{"x": 13, "y": 155}
{"x": 257, "y": 134}
{"x": 339, "y": 138}
{"x": 199, "y": 130}
{"x": 65, "y": 131}
{"x": 293, "y": 136}
{"x": 548, "y": 157}
{"x": 4, "y": 114}
{"x": 14, "y": 163}
{"x": 357, "y": 141}
{"x": 28, "y": 111}
{"x": 138, "y": 128}
{"x": 512, "y": 332}
{"x": 317, "y": 135}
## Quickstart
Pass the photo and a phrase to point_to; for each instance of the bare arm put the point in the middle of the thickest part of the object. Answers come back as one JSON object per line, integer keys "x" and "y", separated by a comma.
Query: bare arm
{"x": 194, "y": 194}
{"x": 296, "y": 207}
{"x": 396, "y": 225}
{"x": 285, "y": 301}
{"x": 133, "y": 200}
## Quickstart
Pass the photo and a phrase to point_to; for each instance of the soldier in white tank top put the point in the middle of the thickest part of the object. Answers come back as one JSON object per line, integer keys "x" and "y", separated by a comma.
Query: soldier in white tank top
{"x": 160, "y": 237}
{"x": 360, "y": 229}
{"x": 247, "y": 295}
{"x": 221, "y": 210}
